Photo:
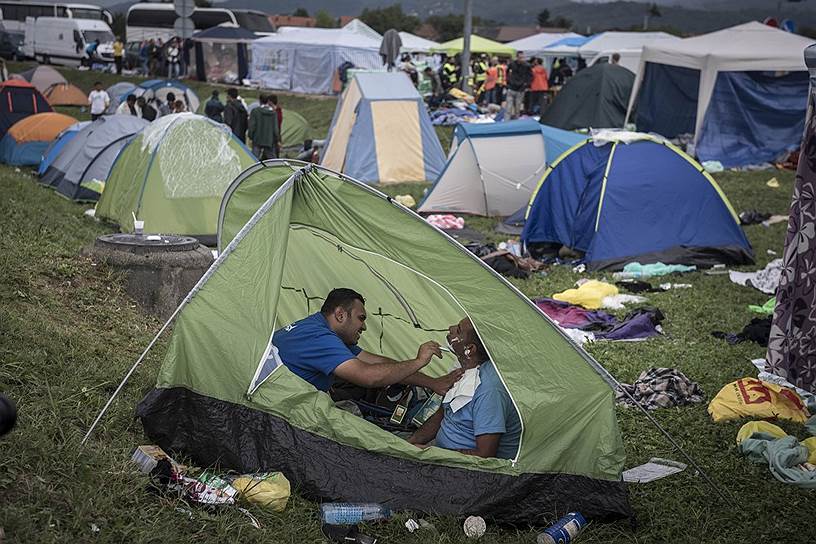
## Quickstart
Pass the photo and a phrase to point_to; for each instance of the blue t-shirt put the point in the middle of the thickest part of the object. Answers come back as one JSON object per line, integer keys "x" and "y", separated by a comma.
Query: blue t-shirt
{"x": 491, "y": 411}
{"x": 310, "y": 349}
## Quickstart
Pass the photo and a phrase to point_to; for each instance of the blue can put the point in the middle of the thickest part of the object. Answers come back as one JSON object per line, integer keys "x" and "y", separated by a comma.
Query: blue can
{"x": 564, "y": 530}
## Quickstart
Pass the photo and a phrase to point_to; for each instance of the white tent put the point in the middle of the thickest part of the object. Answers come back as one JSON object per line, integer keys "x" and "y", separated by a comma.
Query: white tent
{"x": 629, "y": 58}
{"x": 534, "y": 45}
{"x": 306, "y": 60}
{"x": 612, "y": 41}
{"x": 412, "y": 43}
{"x": 747, "y": 47}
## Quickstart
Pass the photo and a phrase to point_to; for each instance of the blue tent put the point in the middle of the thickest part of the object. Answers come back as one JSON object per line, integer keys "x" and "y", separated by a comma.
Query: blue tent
{"x": 643, "y": 201}
{"x": 493, "y": 167}
{"x": 57, "y": 145}
{"x": 381, "y": 132}
{"x": 158, "y": 88}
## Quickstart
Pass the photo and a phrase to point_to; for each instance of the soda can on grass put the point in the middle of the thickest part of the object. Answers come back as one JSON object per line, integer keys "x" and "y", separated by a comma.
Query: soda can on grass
{"x": 564, "y": 530}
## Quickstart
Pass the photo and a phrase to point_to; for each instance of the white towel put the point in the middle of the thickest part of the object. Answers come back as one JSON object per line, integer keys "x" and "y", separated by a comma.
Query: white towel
{"x": 462, "y": 391}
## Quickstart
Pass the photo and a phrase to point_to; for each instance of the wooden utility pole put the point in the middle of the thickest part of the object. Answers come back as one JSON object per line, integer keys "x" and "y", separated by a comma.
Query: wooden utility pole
{"x": 465, "y": 58}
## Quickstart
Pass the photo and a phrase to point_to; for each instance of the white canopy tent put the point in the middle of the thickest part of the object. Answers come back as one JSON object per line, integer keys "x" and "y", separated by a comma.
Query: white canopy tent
{"x": 612, "y": 41}
{"x": 305, "y": 60}
{"x": 411, "y": 43}
{"x": 747, "y": 47}
{"x": 533, "y": 46}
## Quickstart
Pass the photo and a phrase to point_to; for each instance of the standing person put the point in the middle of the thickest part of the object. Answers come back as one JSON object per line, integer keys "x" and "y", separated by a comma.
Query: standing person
{"x": 273, "y": 103}
{"x": 173, "y": 59}
{"x": 99, "y": 101}
{"x": 153, "y": 57}
{"x": 263, "y": 130}
{"x": 491, "y": 83}
{"x": 148, "y": 112}
{"x": 501, "y": 81}
{"x": 118, "y": 54}
{"x": 144, "y": 58}
{"x": 519, "y": 76}
{"x": 214, "y": 109}
{"x": 235, "y": 115}
{"x": 129, "y": 107}
{"x": 448, "y": 75}
{"x": 480, "y": 77}
{"x": 437, "y": 91}
{"x": 538, "y": 86}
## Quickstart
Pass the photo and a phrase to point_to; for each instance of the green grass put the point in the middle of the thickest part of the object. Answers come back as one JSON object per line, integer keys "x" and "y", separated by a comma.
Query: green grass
{"x": 68, "y": 333}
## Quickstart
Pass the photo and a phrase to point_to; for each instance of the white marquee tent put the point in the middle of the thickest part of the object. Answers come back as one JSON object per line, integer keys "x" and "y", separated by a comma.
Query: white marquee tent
{"x": 412, "y": 43}
{"x": 533, "y": 46}
{"x": 305, "y": 60}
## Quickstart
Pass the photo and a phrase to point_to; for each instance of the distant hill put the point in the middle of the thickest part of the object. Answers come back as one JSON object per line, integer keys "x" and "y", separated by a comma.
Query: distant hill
{"x": 683, "y": 16}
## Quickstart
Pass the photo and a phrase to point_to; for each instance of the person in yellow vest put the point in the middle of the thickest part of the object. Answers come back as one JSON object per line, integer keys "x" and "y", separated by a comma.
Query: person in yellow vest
{"x": 479, "y": 77}
{"x": 449, "y": 74}
{"x": 501, "y": 80}
{"x": 118, "y": 54}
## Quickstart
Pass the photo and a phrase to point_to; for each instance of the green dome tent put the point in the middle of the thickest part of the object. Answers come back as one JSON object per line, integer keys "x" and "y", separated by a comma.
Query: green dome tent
{"x": 173, "y": 175}
{"x": 223, "y": 397}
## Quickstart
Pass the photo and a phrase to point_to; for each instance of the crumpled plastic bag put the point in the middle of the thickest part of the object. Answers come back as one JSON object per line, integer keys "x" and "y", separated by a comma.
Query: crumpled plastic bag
{"x": 589, "y": 295}
{"x": 270, "y": 490}
{"x": 749, "y": 397}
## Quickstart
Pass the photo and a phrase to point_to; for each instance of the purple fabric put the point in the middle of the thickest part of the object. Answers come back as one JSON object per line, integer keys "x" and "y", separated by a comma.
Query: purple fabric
{"x": 636, "y": 327}
{"x": 792, "y": 342}
{"x": 570, "y": 316}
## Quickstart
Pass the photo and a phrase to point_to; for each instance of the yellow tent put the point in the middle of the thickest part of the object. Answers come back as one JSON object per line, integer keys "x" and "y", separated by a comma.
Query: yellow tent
{"x": 477, "y": 45}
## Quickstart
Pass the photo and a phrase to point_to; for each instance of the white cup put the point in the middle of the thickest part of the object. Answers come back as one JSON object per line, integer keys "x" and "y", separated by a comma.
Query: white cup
{"x": 138, "y": 227}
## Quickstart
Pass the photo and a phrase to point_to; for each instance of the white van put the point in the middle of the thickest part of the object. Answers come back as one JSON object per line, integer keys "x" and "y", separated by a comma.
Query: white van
{"x": 59, "y": 40}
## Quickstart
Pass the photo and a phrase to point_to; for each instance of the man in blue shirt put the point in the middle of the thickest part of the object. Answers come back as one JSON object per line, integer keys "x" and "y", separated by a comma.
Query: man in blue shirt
{"x": 323, "y": 346}
{"x": 488, "y": 424}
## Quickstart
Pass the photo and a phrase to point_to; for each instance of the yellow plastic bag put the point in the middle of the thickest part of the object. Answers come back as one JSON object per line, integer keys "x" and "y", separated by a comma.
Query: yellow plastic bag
{"x": 589, "y": 295}
{"x": 269, "y": 490}
{"x": 810, "y": 444}
{"x": 759, "y": 427}
{"x": 749, "y": 397}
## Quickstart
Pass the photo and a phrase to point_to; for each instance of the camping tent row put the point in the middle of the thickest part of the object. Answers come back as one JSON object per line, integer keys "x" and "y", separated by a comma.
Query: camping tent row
{"x": 221, "y": 378}
{"x": 53, "y": 86}
{"x": 740, "y": 91}
{"x": 381, "y": 132}
{"x": 306, "y": 60}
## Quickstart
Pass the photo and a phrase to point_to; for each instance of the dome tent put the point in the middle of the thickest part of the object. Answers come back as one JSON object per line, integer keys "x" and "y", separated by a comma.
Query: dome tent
{"x": 218, "y": 365}
{"x": 118, "y": 93}
{"x": 620, "y": 197}
{"x": 173, "y": 175}
{"x": 65, "y": 94}
{"x": 26, "y": 141}
{"x": 19, "y": 99}
{"x": 89, "y": 156}
{"x": 493, "y": 168}
{"x": 159, "y": 88}
{"x": 381, "y": 132}
{"x": 55, "y": 148}
{"x": 43, "y": 77}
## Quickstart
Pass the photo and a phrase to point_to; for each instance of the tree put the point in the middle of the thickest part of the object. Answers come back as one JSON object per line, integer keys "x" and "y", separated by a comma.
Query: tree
{"x": 300, "y": 12}
{"x": 543, "y": 18}
{"x": 324, "y": 20}
{"x": 381, "y": 19}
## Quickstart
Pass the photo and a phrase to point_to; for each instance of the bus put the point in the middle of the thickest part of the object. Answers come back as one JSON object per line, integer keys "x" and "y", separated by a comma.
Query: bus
{"x": 13, "y": 14}
{"x": 149, "y": 21}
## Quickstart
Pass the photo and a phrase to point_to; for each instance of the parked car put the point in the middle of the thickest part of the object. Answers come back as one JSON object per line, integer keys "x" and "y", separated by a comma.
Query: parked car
{"x": 11, "y": 45}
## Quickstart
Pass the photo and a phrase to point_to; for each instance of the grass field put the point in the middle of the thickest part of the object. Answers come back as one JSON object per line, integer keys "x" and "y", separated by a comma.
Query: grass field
{"x": 68, "y": 333}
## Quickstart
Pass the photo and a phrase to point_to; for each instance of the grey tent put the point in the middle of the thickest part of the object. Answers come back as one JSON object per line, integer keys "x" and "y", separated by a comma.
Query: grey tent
{"x": 90, "y": 154}
{"x": 43, "y": 77}
{"x": 595, "y": 97}
{"x": 118, "y": 92}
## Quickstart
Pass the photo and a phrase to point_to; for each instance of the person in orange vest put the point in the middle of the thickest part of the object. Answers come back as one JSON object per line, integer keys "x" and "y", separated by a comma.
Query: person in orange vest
{"x": 538, "y": 87}
{"x": 491, "y": 89}
{"x": 501, "y": 80}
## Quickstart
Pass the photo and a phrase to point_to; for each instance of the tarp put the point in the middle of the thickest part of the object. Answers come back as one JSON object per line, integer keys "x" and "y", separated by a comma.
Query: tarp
{"x": 19, "y": 99}
{"x": 644, "y": 201}
{"x": 477, "y": 45}
{"x": 43, "y": 77}
{"x": 532, "y": 46}
{"x": 749, "y": 47}
{"x": 173, "y": 175}
{"x": 65, "y": 94}
{"x": 26, "y": 141}
{"x": 381, "y": 132}
{"x": 595, "y": 97}
{"x": 55, "y": 148}
{"x": 90, "y": 155}
{"x": 219, "y": 397}
{"x": 493, "y": 168}
{"x": 306, "y": 60}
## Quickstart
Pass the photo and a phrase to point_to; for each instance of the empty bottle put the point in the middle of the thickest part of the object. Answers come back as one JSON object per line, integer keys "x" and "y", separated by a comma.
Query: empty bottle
{"x": 564, "y": 530}
{"x": 346, "y": 513}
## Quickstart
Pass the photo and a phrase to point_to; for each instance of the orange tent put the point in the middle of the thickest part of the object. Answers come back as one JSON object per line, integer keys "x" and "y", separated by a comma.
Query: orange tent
{"x": 28, "y": 138}
{"x": 65, "y": 94}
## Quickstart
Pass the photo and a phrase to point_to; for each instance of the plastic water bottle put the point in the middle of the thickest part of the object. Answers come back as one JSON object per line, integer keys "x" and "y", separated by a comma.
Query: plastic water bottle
{"x": 349, "y": 513}
{"x": 564, "y": 530}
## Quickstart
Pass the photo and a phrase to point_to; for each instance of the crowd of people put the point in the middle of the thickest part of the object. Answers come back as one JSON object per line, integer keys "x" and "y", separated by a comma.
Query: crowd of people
{"x": 164, "y": 59}
{"x": 138, "y": 106}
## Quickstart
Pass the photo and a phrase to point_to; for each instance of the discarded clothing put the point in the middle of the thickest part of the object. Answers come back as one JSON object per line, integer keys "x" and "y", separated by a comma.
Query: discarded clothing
{"x": 480, "y": 250}
{"x": 446, "y": 221}
{"x": 712, "y": 167}
{"x": 749, "y": 397}
{"x": 668, "y": 286}
{"x": 758, "y": 330}
{"x": 589, "y": 295}
{"x": 637, "y": 270}
{"x": 507, "y": 264}
{"x": 618, "y": 302}
{"x": 766, "y": 280}
{"x": 406, "y": 200}
{"x": 570, "y": 316}
{"x": 637, "y": 286}
{"x": 660, "y": 388}
{"x": 763, "y": 442}
{"x": 765, "y": 309}
{"x": 752, "y": 217}
{"x": 579, "y": 337}
{"x": 640, "y": 324}
{"x": 774, "y": 219}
